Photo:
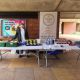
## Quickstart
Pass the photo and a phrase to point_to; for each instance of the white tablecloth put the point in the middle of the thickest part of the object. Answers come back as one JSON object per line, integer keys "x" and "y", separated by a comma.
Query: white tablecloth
{"x": 55, "y": 47}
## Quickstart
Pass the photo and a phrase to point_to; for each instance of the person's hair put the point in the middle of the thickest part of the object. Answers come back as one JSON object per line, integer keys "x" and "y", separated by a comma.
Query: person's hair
{"x": 22, "y": 25}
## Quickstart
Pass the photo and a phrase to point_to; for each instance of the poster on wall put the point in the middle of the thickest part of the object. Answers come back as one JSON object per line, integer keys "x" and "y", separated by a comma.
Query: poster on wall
{"x": 48, "y": 24}
{"x": 7, "y": 26}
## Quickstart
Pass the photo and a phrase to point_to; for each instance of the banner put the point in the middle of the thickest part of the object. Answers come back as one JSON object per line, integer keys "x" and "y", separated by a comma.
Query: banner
{"x": 7, "y": 25}
{"x": 48, "y": 24}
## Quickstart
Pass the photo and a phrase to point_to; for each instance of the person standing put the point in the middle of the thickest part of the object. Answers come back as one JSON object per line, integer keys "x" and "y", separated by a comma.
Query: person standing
{"x": 21, "y": 36}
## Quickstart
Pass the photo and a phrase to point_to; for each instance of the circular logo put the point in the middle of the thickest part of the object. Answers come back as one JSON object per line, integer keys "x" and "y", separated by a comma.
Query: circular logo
{"x": 48, "y": 19}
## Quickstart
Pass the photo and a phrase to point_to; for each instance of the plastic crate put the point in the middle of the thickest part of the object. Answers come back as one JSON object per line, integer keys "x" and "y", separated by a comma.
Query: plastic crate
{"x": 2, "y": 44}
{"x": 11, "y": 44}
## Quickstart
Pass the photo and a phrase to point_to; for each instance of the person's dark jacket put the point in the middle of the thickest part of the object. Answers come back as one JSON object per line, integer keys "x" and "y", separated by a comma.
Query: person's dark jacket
{"x": 18, "y": 35}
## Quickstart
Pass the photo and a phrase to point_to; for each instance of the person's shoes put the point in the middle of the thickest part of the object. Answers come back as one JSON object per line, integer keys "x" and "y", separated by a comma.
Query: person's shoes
{"x": 20, "y": 56}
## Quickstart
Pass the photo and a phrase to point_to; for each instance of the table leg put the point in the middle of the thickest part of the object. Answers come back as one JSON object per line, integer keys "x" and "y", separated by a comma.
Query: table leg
{"x": 76, "y": 52}
{"x": 78, "y": 58}
{"x": 38, "y": 57}
{"x": 46, "y": 59}
{"x": 0, "y": 54}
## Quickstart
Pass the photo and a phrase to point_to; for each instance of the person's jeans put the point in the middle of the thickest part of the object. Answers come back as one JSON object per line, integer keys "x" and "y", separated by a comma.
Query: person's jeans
{"x": 21, "y": 44}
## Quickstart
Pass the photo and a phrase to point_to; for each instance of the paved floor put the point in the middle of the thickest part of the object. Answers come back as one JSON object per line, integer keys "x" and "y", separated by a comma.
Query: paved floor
{"x": 65, "y": 68}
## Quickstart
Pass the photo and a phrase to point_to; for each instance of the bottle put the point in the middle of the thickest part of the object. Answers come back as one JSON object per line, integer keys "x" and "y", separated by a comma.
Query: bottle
{"x": 48, "y": 41}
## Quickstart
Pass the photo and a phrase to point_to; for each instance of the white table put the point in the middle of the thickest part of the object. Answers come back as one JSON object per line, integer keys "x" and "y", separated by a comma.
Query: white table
{"x": 21, "y": 48}
{"x": 43, "y": 47}
{"x": 59, "y": 47}
{"x": 37, "y": 48}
